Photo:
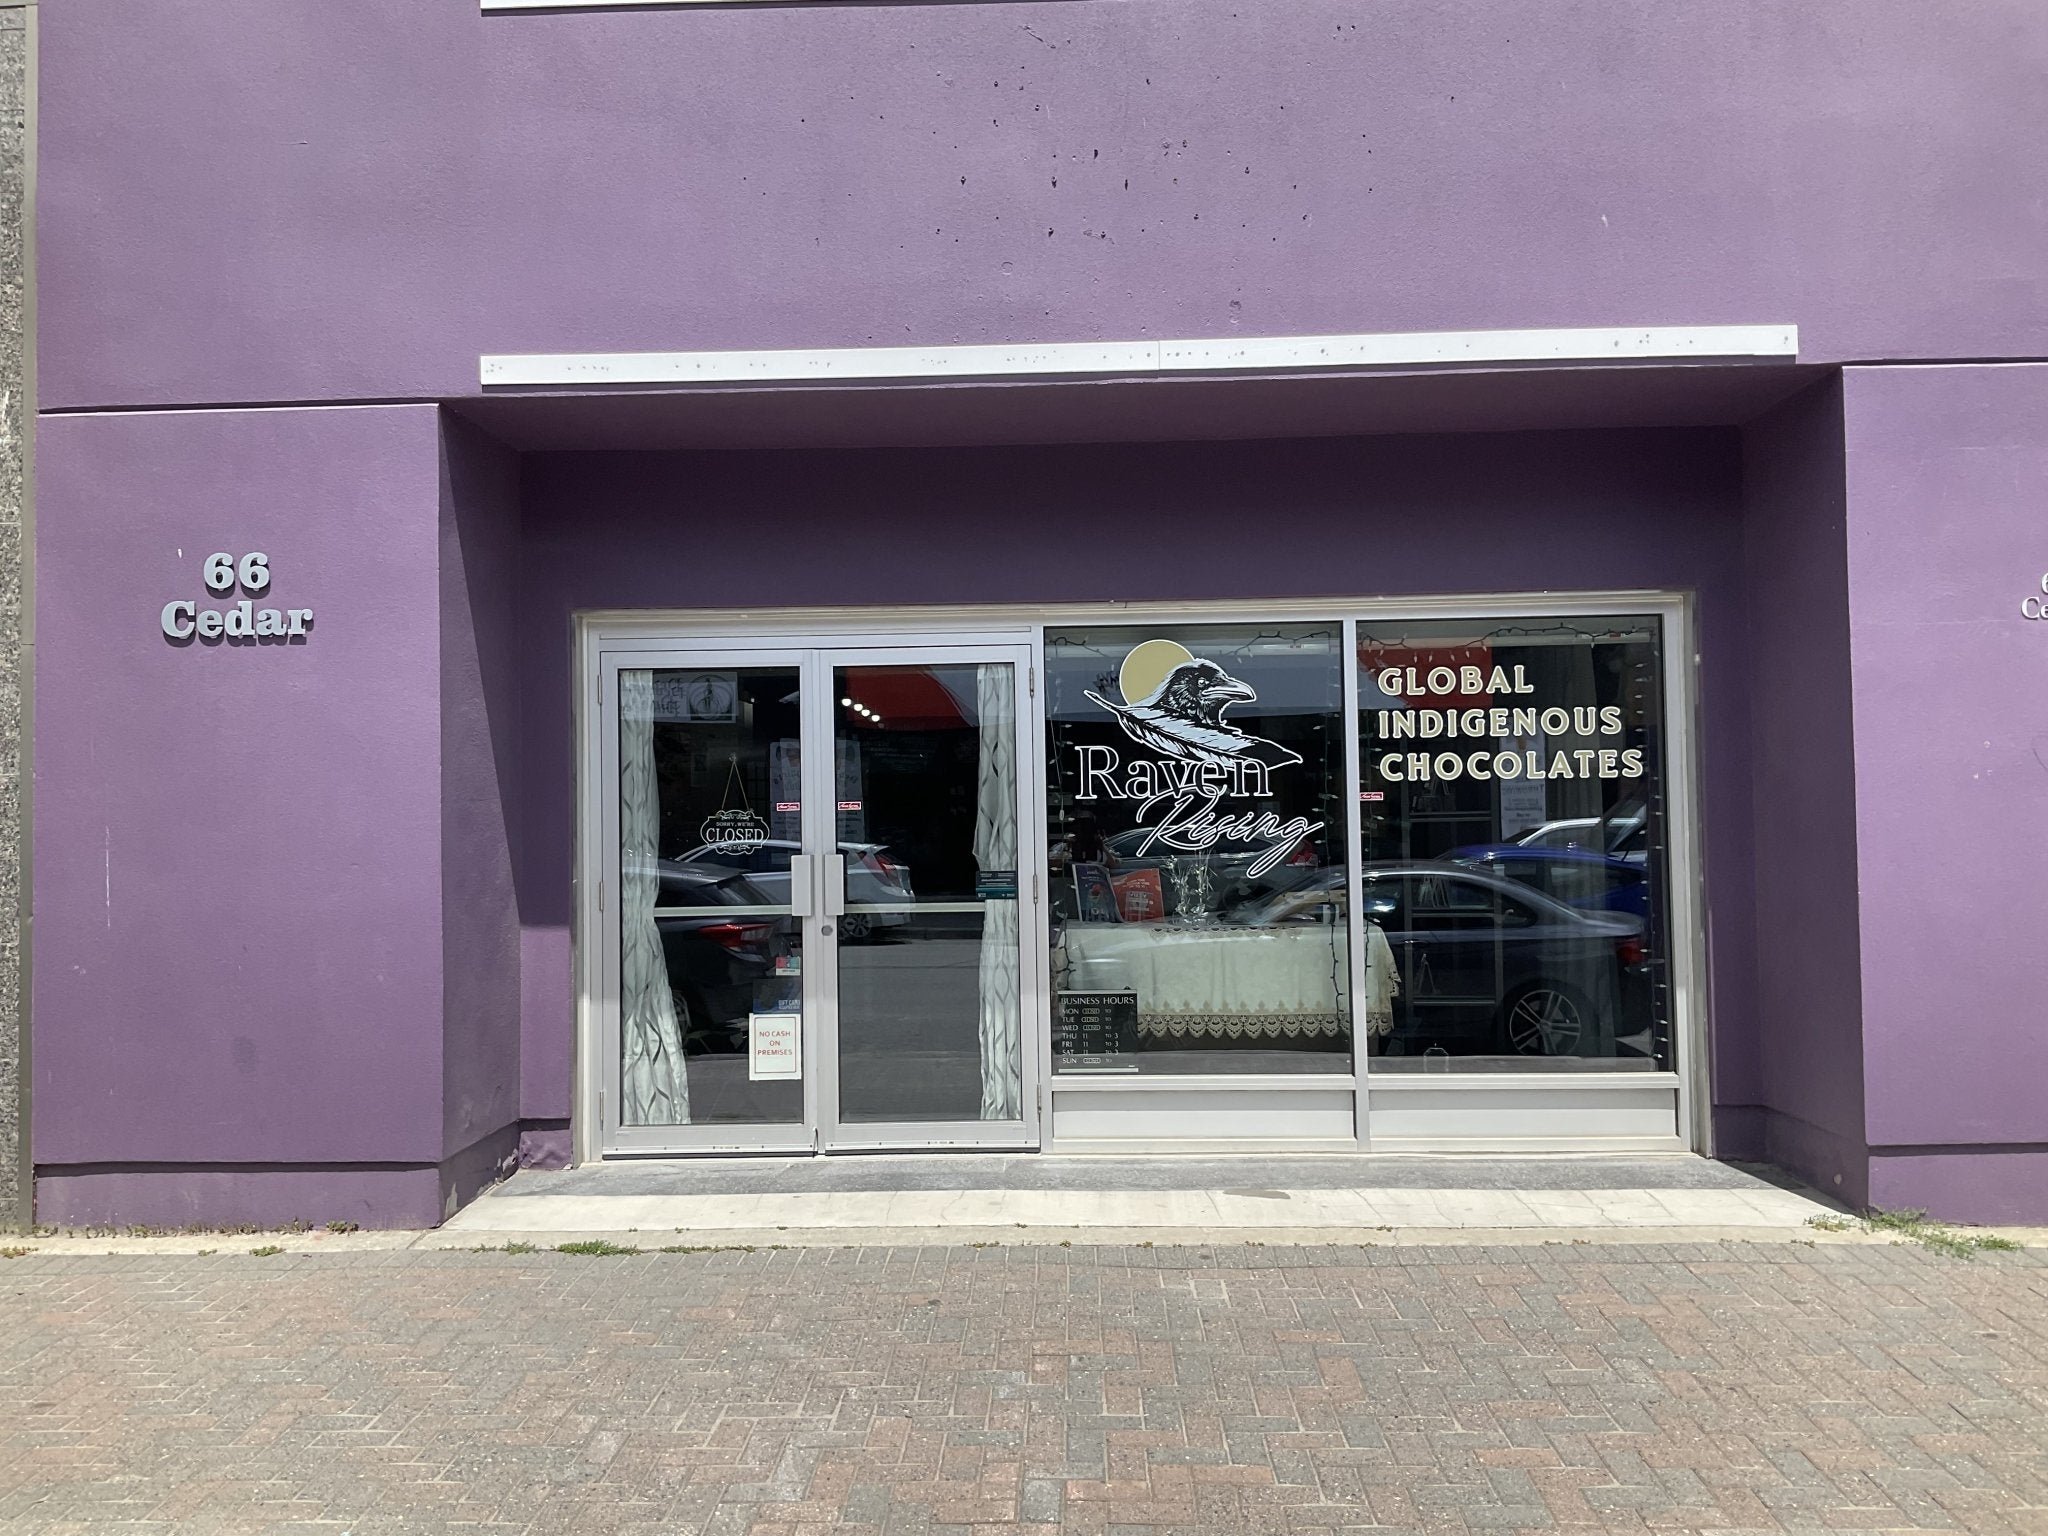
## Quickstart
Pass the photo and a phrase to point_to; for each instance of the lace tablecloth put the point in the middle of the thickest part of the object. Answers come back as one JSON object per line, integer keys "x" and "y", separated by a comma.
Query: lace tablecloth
{"x": 1218, "y": 982}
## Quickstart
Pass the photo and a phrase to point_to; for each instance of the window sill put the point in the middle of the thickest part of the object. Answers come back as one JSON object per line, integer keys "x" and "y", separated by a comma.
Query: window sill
{"x": 1384, "y": 1082}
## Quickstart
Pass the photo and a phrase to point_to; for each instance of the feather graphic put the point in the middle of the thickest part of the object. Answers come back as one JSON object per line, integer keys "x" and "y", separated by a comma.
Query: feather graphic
{"x": 1183, "y": 717}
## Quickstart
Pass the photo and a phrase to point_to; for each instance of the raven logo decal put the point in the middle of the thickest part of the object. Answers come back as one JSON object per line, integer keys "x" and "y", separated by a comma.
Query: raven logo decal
{"x": 1173, "y": 707}
{"x": 1174, "y": 703}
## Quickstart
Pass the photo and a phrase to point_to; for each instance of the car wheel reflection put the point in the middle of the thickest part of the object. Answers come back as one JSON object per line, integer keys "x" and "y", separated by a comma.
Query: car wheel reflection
{"x": 1545, "y": 1020}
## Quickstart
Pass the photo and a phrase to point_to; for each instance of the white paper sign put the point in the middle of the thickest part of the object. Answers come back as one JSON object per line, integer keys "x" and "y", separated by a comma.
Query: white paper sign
{"x": 775, "y": 1047}
{"x": 1523, "y": 802}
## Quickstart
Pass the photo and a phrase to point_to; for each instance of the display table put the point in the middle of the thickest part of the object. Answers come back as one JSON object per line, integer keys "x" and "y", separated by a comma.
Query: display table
{"x": 1230, "y": 983}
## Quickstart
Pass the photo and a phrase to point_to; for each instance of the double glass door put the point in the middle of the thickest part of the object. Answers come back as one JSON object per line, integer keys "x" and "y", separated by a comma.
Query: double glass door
{"x": 817, "y": 940}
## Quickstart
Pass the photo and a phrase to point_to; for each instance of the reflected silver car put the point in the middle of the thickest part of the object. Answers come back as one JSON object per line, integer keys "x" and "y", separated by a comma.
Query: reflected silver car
{"x": 1487, "y": 964}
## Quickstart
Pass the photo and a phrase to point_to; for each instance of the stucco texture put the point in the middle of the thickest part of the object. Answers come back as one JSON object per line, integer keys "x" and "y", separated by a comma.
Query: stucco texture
{"x": 294, "y": 200}
{"x": 15, "y": 547}
{"x": 1947, "y": 480}
{"x": 1806, "y": 1072}
{"x": 239, "y": 907}
{"x": 303, "y": 911}
{"x": 1193, "y": 522}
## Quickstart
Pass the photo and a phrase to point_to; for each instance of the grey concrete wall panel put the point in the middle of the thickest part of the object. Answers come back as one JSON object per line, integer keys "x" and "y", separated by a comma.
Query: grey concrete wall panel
{"x": 15, "y": 527}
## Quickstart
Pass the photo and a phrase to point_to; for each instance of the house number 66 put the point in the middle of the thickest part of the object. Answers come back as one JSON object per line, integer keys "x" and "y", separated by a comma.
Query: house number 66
{"x": 184, "y": 620}
{"x": 220, "y": 574}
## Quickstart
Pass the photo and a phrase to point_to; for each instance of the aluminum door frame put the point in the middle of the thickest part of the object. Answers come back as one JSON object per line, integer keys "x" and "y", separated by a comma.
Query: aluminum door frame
{"x": 613, "y": 1136}
{"x": 813, "y": 658}
{"x": 781, "y": 630}
{"x": 835, "y": 1133}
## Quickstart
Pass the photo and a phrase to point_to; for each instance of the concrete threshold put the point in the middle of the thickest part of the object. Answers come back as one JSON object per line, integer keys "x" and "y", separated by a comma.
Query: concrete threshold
{"x": 751, "y": 1239}
{"x": 935, "y": 1212}
{"x": 27, "y": 1248}
{"x": 952, "y": 1202}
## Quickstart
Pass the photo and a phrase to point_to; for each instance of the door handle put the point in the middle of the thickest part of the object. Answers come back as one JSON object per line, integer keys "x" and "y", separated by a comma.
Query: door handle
{"x": 803, "y": 886}
{"x": 834, "y": 867}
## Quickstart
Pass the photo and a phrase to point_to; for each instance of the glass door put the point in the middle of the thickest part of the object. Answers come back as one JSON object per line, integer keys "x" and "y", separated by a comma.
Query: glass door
{"x": 710, "y": 1029}
{"x": 929, "y": 993}
{"x": 813, "y": 933}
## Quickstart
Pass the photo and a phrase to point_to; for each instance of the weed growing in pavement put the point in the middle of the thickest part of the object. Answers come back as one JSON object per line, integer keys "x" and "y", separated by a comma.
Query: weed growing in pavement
{"x": 342, "y": 1226}
{"x": 268, "y": 1250}
{"x": 207, "y": 1253}
{"x": 596, "y": 1248}
{"x": 15, "y": 1253}
{"x": 1917, "y": 1227}
{"x": 511, "y": 1247}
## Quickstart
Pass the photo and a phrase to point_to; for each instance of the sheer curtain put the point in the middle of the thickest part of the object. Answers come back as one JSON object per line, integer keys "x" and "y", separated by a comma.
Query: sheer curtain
{"x": 655, "y": 1085}
{"x": 995, "y": 849}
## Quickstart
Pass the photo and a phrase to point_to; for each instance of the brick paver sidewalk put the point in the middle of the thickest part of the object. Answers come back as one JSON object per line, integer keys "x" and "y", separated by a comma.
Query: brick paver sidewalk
{"x": 1577, "y": 1387}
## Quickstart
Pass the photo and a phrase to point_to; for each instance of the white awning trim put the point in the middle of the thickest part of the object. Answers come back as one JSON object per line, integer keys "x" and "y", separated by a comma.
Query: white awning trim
{"x": 1100, "y": 359}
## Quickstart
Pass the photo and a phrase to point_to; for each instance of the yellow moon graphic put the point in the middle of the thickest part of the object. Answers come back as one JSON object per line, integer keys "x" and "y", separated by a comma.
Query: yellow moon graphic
{"x": 1147, "y": 665}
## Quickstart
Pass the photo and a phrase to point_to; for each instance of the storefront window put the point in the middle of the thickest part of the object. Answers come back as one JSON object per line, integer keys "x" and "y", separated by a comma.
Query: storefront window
{"x": 1196, "y": 778}
{"x": 1513, "y": 845}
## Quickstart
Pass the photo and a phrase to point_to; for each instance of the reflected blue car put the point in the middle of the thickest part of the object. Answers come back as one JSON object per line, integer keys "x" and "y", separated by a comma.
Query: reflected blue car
{"x": 1578, "y": 877}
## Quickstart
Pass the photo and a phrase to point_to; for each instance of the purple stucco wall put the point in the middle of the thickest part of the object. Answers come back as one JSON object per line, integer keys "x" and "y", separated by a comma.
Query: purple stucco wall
{"x": 1809, "y": 1028}
{"x": 1948, "y": 530}
{"x": 296, "y": 200}
{"x": 237, "y": 894}
{"x": 479, "y": 537}
{"x": 302, "y": 913}
{"x": 1504, "y": 512}
{"x": 276, "y": 914}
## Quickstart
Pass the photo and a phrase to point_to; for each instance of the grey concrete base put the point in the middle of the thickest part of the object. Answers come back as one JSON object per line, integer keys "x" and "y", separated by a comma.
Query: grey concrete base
{"x": 447, "y": 1240}
{"x": 747, "y": 1238}
{"x": 992, "y": 1197}
{"x": 16, "y": 551}
{"x": 1007, "y": 1200}
{"x": 869, "y": 1173}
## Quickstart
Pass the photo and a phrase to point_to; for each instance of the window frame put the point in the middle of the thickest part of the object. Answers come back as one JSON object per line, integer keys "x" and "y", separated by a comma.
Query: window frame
{"x": 1689, "y": 1081}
